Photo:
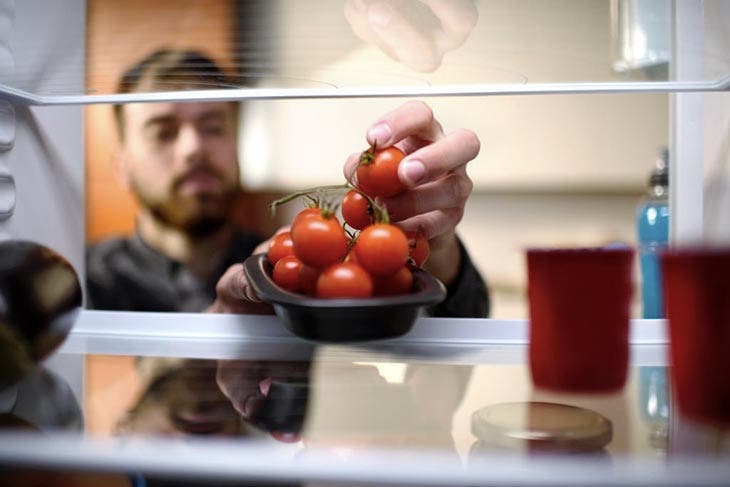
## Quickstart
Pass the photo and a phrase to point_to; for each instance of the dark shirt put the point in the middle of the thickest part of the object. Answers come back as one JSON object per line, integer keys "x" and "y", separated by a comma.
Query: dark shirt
{"x": 467, "y": 296}
{"x": 126, "y": 274}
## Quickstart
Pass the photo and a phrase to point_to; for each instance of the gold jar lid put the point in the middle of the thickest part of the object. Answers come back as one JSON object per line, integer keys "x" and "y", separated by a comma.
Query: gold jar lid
{"x": 541, "y": 426}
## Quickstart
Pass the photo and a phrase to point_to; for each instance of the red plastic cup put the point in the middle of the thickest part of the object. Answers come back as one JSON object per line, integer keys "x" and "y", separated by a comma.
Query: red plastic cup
{"x": 579, "y": 317}
{"x": 697, "y": 302}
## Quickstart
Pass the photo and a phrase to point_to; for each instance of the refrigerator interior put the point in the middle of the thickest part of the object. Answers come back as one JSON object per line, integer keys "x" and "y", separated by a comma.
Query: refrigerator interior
{"x": 305, "y": 68}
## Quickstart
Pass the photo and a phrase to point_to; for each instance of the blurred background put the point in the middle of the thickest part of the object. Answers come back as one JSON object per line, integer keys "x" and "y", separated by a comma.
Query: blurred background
{"x": 553, "y": 170}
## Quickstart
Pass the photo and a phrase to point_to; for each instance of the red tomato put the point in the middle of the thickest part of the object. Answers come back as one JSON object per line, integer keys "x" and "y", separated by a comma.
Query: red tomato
{"x": 319, "y": 241}
{"x": 344, "y": 280}
{"x": 356, "y": 210}
{"x": 281, "y": 246}
{"x": 399, "y": 283}
{"x": 377, "y": 172}
{"x": 382, "y": 249}
{"x": 419, "y": 248}
{"x": 286, "y": 273}
{"x": 350, "y": 257}
{"x": 303, "y": 215}
{"x": 308, "y": 276}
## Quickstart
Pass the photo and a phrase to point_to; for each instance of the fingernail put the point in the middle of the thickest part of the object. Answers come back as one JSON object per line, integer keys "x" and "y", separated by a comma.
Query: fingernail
{"x": 412, "y": 171}
{"x": 379, "y": 133}
{"x": 380, "y": 14}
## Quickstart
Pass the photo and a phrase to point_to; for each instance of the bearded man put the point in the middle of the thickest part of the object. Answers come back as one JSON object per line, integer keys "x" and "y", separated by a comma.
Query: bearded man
{"x": 179, "y": 159}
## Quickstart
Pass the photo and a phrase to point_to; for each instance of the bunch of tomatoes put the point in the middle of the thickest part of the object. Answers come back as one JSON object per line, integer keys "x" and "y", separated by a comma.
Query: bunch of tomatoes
{"x": 363, "y": 256}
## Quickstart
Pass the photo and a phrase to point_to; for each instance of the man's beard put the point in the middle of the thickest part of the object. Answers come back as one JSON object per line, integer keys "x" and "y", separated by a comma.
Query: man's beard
{"x": 197, "y": 216}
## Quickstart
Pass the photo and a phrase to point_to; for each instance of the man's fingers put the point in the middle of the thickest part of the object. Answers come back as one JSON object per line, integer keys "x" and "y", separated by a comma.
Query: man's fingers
{"x": 451, "y": 191}
{"x": 434, "y": 224}
{"x": 235, "y": 295}
{"x": 232, "y": 284}
{"x": 433, "y": 161}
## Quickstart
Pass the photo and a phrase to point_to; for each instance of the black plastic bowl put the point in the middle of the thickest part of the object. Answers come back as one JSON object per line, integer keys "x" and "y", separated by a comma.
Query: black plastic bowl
{"x": 344, "y": 320}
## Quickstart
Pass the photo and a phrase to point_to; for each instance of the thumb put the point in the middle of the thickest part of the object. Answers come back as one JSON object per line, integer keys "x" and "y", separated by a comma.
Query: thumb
{"x": 234, "y": 294}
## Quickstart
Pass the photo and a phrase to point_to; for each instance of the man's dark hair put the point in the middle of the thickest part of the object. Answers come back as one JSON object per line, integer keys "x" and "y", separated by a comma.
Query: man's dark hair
{"x": 171, "y": 69}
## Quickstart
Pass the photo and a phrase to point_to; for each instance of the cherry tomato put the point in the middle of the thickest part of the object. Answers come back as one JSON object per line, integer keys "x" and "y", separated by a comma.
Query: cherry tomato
{"x": 308, "y": 276}
{"x": 377, "y": 172}
{"x": 344, "y": 280}
{"x": 303, "y": 215}
{"x": 381, "y": 249}
{"x": 419, "y": 248}
{"x": 286, "y": 273}
{"x": 356, "y": 210}
{"x": 350, "y": 257}
{"x": 399, "y": 283}
{"x": 281, "y": 246}
{"x": 319, "y": 240}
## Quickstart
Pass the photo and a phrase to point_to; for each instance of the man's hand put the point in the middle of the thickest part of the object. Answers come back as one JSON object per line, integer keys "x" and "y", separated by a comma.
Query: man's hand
{"x": 234, "y": 294}
{"x": 416, "y": 33}
{"x": 434, "y": 171}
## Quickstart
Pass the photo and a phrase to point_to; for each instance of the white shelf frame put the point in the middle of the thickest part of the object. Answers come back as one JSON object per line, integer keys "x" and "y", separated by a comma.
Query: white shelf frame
{"x": 477, "y": 89}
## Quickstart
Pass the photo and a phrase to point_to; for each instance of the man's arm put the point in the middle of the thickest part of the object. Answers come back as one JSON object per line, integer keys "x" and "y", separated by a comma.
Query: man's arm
{"x": 467, "y": 296}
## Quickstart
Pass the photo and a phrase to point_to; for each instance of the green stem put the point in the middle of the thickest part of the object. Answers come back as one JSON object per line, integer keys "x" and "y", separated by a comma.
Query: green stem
{"x": 381, "y": 213}
{"x": 305, "y": 192}
{"x": 366, "y": 157}
{"x": 350, "y": 245}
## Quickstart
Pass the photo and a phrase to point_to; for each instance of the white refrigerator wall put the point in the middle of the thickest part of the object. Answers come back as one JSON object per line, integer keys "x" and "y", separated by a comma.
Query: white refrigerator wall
{"x": 43, "y": 42}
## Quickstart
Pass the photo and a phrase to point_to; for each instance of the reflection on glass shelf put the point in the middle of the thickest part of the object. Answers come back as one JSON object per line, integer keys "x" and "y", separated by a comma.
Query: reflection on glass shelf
{"x": 335, "y": 399}
{"x": 338, "y": 412}
{"x": 327, "y": 48}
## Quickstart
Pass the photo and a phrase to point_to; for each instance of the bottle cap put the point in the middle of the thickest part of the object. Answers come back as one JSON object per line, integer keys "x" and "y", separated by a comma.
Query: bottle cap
{"x": 660, "y": 173}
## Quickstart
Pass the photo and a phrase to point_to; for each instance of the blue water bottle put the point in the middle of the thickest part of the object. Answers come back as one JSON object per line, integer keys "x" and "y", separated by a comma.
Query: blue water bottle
{"x": 653, "y": 232}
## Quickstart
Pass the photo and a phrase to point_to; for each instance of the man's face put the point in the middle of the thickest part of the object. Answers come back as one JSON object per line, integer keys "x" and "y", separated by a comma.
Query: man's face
{"x": 180, "y": 161}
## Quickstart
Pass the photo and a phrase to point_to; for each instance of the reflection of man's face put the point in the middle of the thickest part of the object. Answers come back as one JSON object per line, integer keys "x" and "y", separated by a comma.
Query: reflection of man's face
{"x": 180, "y": 160}
{"x": 184, "y": 400}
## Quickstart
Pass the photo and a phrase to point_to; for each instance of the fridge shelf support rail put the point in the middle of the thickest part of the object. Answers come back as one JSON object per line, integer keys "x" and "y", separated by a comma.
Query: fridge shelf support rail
{"x": 25, "y": 98}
